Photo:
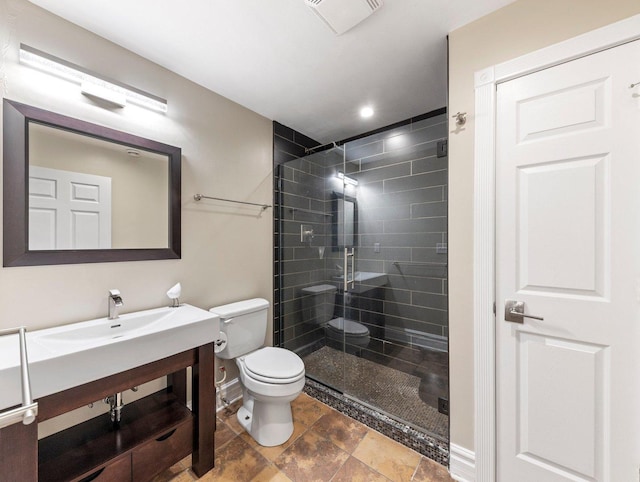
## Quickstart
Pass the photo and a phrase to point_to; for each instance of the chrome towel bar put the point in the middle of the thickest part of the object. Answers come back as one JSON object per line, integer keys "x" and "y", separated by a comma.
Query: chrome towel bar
{"x": 199, "y": 197}
{"x": 29, "y": 409}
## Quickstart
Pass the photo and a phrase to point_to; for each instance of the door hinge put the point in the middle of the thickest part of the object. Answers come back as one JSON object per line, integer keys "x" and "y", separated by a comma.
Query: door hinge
{"x": 494, "y": 307}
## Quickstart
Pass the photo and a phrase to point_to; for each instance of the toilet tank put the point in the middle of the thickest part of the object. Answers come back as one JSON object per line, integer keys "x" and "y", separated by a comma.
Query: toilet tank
{"x": 244, "y": 325}
{"x": 318, "y": 302}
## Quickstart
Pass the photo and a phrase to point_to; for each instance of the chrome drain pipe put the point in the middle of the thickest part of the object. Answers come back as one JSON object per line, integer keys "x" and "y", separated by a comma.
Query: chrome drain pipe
{"x": 115, "y": 407}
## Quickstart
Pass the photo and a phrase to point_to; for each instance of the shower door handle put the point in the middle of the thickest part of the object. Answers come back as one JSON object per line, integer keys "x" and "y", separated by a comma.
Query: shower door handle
{"x": 353, "y": 267}
{"x": 348, "y": 255}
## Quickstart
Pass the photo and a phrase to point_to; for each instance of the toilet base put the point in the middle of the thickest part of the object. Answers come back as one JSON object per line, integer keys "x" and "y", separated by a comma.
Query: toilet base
{"x": 269, "y": 424}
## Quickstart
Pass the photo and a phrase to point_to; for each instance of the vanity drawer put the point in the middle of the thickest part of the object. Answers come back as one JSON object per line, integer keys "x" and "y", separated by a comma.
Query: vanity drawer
{"x": 117, "y": 471}
{"x": 157, "y": 455}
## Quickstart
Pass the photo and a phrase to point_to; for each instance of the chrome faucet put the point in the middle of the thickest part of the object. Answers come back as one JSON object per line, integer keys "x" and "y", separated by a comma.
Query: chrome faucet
{"x": 115, "y": 302}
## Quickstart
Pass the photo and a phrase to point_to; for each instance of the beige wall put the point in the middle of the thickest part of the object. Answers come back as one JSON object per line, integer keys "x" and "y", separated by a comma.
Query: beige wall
{"x": 227, "y": 152}
{"x": 515, "y": 30}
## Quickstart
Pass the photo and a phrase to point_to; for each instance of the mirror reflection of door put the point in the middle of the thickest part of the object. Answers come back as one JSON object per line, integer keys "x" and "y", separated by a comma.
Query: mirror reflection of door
{"x": 138, "y": 199}
{"x": 68, "y": 210}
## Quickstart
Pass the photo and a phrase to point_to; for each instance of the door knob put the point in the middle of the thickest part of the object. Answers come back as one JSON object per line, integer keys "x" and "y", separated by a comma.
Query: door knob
{"x": 514, "y": 312}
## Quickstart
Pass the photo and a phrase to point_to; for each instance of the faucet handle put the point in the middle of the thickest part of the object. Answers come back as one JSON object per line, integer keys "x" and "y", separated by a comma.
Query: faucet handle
{"x": 115, "y": 297}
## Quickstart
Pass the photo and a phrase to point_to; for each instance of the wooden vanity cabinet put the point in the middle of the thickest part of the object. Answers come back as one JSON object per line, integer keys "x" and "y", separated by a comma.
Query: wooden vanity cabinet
{"x": 155, "y": 432}
{"x": 116, "y": 471}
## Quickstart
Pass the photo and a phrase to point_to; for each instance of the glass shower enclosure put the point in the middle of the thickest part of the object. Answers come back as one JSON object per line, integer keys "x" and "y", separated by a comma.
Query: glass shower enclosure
{"x": 362, "y": 264}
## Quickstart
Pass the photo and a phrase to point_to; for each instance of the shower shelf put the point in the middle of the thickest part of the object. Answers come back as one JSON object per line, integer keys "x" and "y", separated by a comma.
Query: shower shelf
{"x": 408, "y": 268}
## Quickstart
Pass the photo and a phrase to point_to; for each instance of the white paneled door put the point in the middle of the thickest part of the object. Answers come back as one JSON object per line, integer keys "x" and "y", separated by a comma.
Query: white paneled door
{"x": 68, "y": 210}
{"x": 568, "y": 247}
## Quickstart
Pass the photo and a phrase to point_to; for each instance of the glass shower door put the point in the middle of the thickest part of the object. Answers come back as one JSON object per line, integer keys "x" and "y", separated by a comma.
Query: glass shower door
{"x": 395, "y": 302}
{"x": 311, "y": 263}
{"x": 358, "y": 293}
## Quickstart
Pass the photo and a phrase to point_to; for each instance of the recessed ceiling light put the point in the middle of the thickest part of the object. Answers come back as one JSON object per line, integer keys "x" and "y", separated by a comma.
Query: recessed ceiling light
{"x": 366, "y": 112}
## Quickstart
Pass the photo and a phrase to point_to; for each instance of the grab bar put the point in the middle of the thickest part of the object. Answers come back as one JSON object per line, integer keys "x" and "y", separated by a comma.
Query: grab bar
{"x": 29, "y": 409}
{"x": 199, "y": 197}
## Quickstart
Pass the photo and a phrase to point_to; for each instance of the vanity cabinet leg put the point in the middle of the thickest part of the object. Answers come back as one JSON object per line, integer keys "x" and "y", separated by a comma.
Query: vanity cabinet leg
{"x": 204, "y": 408}
{"x": 19, "y": 452}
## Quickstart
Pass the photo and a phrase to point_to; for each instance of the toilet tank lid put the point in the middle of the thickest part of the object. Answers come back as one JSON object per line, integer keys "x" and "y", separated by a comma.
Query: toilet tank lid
{"x": 314, "y": 290}
{"x": 240, "y": 308}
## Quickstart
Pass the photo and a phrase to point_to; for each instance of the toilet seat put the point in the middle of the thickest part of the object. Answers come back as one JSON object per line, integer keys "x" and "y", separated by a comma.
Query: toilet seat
{"x": 348, "y": 327}
{"x": 273, "y": 365}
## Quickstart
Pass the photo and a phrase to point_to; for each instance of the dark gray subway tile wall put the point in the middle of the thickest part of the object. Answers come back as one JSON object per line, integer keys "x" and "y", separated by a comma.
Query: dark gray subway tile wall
{"x": 403, "y": 223}
{"x": 402, "y": 209}
{"x": 295, "y": 265}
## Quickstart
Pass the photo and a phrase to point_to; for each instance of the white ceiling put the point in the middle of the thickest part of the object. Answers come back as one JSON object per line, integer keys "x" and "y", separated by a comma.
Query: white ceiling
{"x": 278, "y": 59}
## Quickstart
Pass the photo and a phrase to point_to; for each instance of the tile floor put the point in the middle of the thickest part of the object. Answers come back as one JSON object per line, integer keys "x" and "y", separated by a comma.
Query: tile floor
{"x": 325, "y": 446}
{"x": 379, "y": 384}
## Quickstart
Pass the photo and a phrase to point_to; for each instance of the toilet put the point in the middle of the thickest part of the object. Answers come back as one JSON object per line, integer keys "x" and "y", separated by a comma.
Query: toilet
{"x": 271, "y": 377}
{"x": 319, "y": 302}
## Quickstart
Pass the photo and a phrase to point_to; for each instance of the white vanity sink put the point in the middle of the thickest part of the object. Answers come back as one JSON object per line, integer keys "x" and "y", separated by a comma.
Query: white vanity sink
{"x": 70, "y": 355}
{"x": 102, "y": 330}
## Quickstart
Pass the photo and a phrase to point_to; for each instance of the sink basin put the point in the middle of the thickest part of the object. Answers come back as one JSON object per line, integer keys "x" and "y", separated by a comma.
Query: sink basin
{"x": 368, "y": 278}
{"x": 70, "y": 355}
{"x": 102, "y": 330}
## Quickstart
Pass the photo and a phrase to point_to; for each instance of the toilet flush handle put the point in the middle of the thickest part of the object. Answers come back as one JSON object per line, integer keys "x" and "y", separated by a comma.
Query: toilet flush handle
{"x": 228, "y": 321}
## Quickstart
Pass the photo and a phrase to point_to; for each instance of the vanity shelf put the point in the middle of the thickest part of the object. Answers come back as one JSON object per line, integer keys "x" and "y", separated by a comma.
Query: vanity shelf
{"x": 155, "y": 432}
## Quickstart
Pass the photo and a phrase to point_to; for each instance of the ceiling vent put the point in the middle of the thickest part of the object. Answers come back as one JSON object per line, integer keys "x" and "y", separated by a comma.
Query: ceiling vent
{"x": 342, "y": 15}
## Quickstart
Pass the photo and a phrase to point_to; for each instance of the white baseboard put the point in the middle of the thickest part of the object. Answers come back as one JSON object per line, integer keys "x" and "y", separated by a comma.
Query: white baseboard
{"x": 462, "y": 464}
{"x": 230, "y": 391}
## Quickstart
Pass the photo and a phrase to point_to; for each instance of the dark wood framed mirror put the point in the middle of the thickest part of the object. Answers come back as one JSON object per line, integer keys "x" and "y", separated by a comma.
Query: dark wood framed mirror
{"x": 77, "y": 192}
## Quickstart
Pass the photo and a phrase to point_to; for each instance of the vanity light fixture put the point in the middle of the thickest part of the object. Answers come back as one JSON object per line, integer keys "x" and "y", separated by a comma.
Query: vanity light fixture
{"x": 91, "y": 84}
{"x": 105, "y": 91}
{"x": 347, "y": 179}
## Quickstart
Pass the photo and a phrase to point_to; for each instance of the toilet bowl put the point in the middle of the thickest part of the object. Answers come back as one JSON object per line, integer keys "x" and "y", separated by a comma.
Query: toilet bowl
{"x": 271, "y": 377}
{"x": 319, "y": 303}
